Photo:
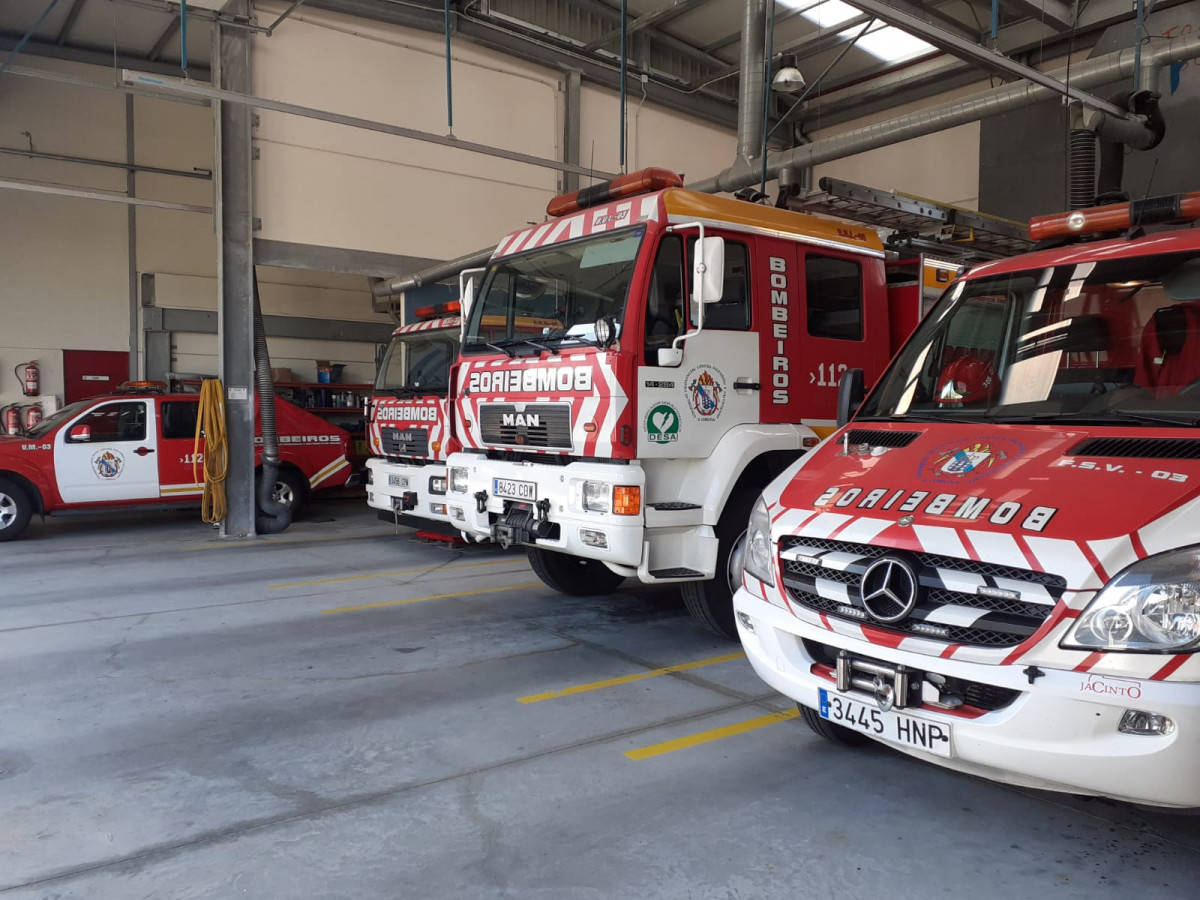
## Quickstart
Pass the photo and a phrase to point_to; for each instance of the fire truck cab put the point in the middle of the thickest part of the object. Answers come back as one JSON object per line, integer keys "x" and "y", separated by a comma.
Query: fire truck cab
{"x": 691, "y": 351}
{"x": 995, "y": 566}
{"x": 137, "y": 449}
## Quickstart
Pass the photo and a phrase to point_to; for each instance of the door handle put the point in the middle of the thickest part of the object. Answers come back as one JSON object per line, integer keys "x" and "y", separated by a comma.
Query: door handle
{"x": 142, "y": 451}
{"x": 744, "y": 385}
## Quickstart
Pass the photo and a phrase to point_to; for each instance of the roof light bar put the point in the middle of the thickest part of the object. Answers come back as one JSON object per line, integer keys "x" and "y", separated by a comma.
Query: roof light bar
{"x": 1117, "y": 217}
{"x": 642, "y": 182}
{"x": 437, "y": 310}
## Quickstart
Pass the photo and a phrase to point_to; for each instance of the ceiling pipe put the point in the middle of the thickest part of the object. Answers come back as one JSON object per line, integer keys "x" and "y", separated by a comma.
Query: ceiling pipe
{"x": 429, "y": 275}
{"x": 751, "y": 88}
{"x": 1107, "y": 69}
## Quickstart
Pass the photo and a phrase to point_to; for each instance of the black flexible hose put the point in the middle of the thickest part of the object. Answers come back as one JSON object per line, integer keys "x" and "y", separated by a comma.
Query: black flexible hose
{"x": 1082, "y": 181}
{"x": 273, "y": 516}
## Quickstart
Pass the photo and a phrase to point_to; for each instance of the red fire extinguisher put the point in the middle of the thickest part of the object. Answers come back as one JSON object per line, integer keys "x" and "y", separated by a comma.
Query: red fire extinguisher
{"x": 30, "y": 378}
{"x": 33, "y": 415}
{"x": 12, "y": 419}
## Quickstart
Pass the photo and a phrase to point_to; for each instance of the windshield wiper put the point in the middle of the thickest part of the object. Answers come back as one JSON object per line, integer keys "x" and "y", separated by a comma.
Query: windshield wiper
{"x": 499, "y": 348}
{"x": 926, "y": 417}
{"x": 546, "y": 347}
{"x": 401, "y": 391}
{"x": 1158, "y": 418}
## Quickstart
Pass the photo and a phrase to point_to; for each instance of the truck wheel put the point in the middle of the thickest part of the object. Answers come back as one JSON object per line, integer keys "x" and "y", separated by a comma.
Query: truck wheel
{"x": 289, "y": 490}
{"x": 572, "y": 575}
{"x": 711, "y": 602}
{"x": 15, "y": 509}
{"x": 831, "y": 731}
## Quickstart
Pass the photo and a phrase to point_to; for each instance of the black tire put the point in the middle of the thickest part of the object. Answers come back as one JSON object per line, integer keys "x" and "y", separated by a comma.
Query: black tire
{"x": 711, "y": 602}
{"x": 15, "y": 509}
{"x": 291, "y": 489}
{"x": 573, "y": 575}
{"x": 831, "y": 731}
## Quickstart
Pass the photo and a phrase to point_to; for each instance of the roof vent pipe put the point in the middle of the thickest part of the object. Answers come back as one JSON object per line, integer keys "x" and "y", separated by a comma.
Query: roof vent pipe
{"x": 429, "y": 275}
{"x": 751, "y": 89}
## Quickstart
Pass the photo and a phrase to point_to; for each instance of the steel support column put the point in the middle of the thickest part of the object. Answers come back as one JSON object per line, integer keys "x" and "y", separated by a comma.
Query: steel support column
{"x": 235, "y": 268}
{"x": 131, "y": 240}
{"x": 572, "y": 119}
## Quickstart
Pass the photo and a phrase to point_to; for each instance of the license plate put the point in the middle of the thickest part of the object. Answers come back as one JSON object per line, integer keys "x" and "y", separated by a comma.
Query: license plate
{"x": 921, "y": 734}
{"x": 514, "y": 490}
{"x": 397, "y": 481}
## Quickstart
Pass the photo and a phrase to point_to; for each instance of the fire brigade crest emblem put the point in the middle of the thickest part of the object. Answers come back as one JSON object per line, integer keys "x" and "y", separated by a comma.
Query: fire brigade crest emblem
{"x": 705, "y": 392}
{"x": 966, "y": 461}
{"x": 108, "y": 464}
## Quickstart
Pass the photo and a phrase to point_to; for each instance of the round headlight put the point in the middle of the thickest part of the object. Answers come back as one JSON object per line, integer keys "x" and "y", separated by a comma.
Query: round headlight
{"x": 606, "y": 330}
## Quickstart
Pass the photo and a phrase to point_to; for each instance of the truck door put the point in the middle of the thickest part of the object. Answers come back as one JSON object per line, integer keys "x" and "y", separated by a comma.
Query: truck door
{"x": 177, "y": 448}
{"x": 684, "y": 410}
{"x": 108, "y": 454}
{"x": 843, "y": 325}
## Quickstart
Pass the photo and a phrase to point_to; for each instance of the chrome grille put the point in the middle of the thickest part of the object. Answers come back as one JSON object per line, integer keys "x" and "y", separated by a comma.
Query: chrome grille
{"x": 404, "y": 441}
{"x": 539, "y": 425}
{"x": 947, "y": 608}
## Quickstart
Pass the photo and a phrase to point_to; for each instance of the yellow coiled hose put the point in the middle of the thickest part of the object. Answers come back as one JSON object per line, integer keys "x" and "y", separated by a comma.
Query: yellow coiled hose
{"x": 210, "y": 424}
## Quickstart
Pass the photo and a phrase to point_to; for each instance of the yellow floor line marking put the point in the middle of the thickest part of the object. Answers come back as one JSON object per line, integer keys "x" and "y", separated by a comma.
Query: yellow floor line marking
{"x": 491, "y": 590}
{"x": 626, "y": 679}
{"x": 293, "y": 584}
{"x": 260, "y": 541}
{"x": 716, "y": 734}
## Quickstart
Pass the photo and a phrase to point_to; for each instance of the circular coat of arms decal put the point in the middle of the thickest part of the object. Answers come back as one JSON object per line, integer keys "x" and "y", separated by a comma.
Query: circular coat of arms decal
{"x": 705, "y": 387}
{"x": 108, "y": 464}
{"x": 966, "y": 461}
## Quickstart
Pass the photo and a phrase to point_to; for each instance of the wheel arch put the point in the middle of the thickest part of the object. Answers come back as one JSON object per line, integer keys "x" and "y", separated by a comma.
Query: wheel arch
{"x": 29, "y": 487}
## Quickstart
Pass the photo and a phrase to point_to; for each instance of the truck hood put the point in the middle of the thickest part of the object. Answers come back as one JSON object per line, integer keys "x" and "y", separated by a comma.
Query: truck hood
{"x": 410, "y": 426}
{"x": 1078, "y": 484}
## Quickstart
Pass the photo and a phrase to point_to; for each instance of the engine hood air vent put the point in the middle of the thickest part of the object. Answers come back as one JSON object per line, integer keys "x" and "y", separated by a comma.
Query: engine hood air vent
{"x": 1141, "y": 448}
{"x": 880, "y": 438}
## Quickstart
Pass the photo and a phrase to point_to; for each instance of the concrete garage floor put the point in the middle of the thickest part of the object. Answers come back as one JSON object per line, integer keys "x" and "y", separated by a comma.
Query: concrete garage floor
{"x": 336, "y": 712}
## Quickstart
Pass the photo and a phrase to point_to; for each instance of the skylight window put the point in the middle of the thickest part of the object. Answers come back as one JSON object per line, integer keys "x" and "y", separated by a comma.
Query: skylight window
{"x": 887, "y": 42}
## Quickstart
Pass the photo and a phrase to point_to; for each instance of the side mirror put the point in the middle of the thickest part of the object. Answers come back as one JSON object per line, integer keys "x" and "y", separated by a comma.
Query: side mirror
{"x": 670, "y": 356}
{"x": 80, "y": 433}
{"x": 851, "y": 394}
{"x": 468, "y": 280}
{"x": 708, "y": 270}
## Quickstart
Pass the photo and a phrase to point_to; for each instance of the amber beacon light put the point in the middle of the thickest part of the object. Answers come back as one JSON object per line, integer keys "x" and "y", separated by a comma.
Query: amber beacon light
{"x": 1117, "y": 217}
{"x": 640, "y": 182}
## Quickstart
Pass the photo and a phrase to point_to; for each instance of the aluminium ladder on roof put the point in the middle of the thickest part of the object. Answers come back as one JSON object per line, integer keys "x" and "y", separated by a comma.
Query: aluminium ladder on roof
{"x": 917, "y": 223}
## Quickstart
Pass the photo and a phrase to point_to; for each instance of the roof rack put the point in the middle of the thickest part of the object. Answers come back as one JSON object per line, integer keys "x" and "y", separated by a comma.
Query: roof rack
{"x": 917, "y": 223}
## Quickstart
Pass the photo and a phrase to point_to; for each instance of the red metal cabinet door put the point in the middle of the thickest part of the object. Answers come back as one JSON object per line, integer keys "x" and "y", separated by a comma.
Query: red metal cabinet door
{"x": 90, "y": 373}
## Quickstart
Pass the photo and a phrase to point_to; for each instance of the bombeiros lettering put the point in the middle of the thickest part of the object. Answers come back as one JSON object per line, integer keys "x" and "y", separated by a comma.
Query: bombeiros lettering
{"x": 956, "y": 506}
{"x": 781, "y": 312}
{"x": 413, "y": 413}
{"x": 543, "y": 379}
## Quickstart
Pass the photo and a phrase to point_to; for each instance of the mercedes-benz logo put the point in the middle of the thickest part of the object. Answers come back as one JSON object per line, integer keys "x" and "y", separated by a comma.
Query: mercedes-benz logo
{"x": 889, "y": 590}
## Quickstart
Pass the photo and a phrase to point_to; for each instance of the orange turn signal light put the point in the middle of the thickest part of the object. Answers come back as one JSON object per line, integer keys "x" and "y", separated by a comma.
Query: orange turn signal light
{"x": 627, "y": 500}
{"x": 590, "y": 427}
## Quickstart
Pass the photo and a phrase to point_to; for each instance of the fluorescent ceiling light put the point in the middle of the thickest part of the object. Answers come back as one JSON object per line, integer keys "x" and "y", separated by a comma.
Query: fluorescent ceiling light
{"x": 887, "y": 43}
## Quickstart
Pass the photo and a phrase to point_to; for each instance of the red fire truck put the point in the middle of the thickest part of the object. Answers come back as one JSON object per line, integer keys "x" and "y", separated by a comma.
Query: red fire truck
{"x": 691, "y": 351}
{"x": 136, "y": 450}
{"x": 996, "y": 565}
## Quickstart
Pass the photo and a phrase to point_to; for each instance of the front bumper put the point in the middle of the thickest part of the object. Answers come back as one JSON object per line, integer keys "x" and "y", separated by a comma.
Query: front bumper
{"x": 555, "y": 519}
{"x": 1056, "y": 735}
{"x": 406, "y": 490}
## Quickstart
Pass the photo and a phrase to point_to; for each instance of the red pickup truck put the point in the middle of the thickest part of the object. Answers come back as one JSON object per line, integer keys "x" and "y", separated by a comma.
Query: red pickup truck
{"x": 137, "y": 449}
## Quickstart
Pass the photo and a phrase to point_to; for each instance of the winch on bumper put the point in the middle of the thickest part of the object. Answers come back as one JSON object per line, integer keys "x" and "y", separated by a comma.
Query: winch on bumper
{"x": 417, "y": 494}
{"x": 589, "y": 510}
{"x": 1057, "y": 733}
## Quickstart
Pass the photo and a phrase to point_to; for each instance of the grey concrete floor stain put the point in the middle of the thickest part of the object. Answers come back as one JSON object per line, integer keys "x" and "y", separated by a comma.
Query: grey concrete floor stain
{"x": 173, "y": 723}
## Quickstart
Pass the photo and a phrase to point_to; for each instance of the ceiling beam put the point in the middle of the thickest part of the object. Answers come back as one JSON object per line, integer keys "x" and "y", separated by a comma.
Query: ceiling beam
{"x": 655, "y": 17}
{"x": 97, "y": 57}
{"x": 613, "y": 14}
{"x": 780, "y": 18}
{"x": 69, "y": 22}
{"x": 168, "y": 33}
{"x": 1055, "y": 13}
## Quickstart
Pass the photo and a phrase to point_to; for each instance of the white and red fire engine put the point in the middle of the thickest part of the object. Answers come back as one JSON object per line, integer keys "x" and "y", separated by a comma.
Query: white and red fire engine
{"x": 692, "y": 349}
{"x": 137, "y": 450}
{"x": 996, "y": 565}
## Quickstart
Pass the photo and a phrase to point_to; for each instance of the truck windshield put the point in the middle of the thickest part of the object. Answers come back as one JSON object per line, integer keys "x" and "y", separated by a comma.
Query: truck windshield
{"x": 555, "y": 294}
{"x": 417, "y": 363}
{"x": 1116, "y": 340}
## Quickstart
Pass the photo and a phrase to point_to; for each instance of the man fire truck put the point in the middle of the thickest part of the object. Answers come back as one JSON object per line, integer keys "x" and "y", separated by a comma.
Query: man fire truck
{"x": 136, "y": 449}
{"x": 692, "y": 350}
{"x": 996, "y": 565}
{"x": 409, "y": 427}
